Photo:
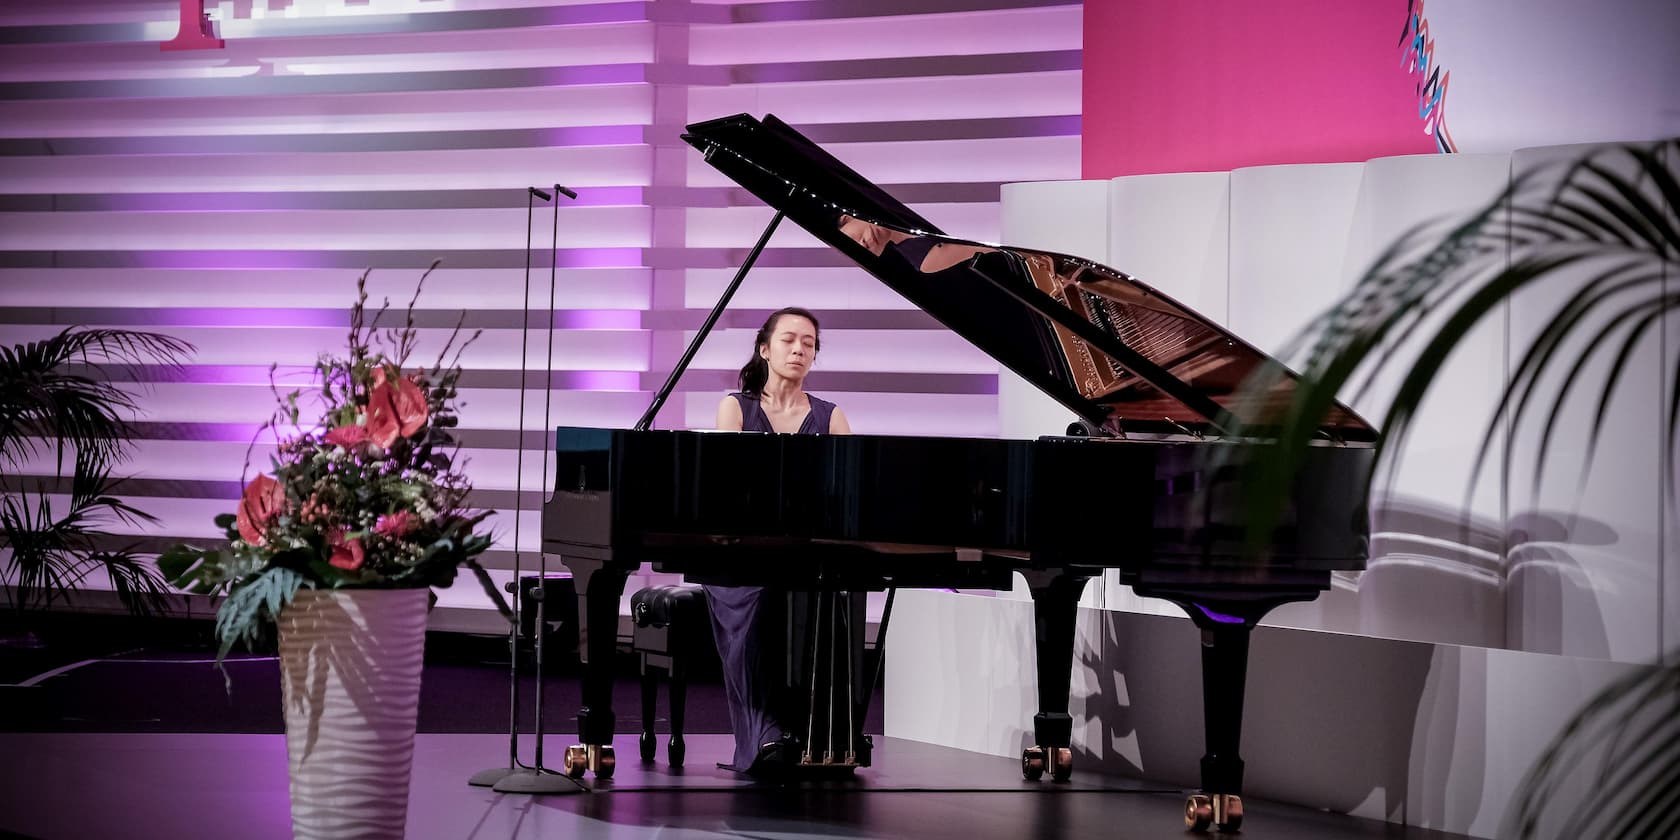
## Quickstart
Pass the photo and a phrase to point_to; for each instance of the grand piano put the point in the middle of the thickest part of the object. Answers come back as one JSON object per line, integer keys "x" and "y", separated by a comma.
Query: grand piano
{"x": 1145, "y": 482}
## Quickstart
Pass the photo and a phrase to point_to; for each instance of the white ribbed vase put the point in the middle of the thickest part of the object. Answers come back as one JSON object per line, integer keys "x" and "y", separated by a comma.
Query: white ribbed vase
{"x": 350, "y": 680}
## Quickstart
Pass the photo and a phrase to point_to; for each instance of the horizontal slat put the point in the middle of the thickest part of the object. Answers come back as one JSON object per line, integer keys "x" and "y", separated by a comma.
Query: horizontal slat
{"x": 953, "y": 161}
{"x": 481, "y": 408}
{"x": 910, "y": 415}
{"x": 509, "y": 169}
{"x": 965, "y": 33}
{"x": 530, "y": 107}
{"x": 624, "y": 350}
{"x": 257, "y": 288}
{"x": 957, "y": 97}
{"x": 440, "y": 230}
{"x": 773, "y": 288}
{"x": 859, "y": 350}
{"x": 394, "y": 52}
{"x": 722, "y": 227}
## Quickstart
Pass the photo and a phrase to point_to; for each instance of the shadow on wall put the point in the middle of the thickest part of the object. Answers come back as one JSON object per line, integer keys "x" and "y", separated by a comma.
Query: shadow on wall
{"x": 1299, "y": 742}
{"x": 1436, "y": 575}
{"x": 1553, "y": 604}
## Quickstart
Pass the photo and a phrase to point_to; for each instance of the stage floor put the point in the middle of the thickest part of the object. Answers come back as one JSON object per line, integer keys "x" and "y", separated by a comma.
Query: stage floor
{"x": 153, "y": 785}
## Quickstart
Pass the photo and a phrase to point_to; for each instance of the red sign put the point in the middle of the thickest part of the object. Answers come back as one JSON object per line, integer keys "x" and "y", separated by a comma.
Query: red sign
{"x": 195, "y": 33}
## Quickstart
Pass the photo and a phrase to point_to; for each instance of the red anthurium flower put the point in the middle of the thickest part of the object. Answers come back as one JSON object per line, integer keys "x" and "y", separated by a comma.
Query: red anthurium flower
{"x": 398, "y": 524}
{"x": 347, "y": 554}
{"x": 347, "y": 436}
{"x": 396, "y": 408}
{"x": 259, "y": 506}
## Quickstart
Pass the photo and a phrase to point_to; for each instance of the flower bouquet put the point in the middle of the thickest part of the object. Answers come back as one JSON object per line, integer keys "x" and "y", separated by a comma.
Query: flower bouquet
{"x": 335, "y": 549}
{"x": 371, "y": 496}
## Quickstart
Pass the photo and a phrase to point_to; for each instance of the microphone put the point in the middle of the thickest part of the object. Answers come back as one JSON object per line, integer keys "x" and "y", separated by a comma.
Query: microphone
{"x": 542, "y": 195}
{"x": 565, "y": 192}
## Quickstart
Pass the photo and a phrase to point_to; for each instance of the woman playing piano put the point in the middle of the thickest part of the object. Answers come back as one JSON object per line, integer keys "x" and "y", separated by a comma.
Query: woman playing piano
{"x": 771, "y": 398}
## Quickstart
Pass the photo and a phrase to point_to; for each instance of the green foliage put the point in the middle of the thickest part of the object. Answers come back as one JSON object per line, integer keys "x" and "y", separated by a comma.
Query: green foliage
{"x": 58, "y": 395}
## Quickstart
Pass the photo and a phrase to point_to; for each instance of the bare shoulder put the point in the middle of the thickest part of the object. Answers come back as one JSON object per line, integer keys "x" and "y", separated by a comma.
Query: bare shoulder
{"x": 729, "y": 415}
{"x": 837, "y": 424}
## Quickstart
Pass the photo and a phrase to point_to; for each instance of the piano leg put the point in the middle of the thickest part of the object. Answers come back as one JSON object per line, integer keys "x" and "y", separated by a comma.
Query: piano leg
{"x": 599, "y": 587}
{"x": 1055, "y": 597}
{"x": 1226, "y": 624}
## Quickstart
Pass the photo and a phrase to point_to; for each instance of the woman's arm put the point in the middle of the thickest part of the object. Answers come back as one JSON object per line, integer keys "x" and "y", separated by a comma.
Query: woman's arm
{"x": 729, "y": 415}
{"x": 837, "y": 424}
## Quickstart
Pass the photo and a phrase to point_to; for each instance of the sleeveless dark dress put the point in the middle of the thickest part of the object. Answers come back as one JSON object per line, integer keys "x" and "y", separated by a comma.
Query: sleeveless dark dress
{"x": 741, "y": 621}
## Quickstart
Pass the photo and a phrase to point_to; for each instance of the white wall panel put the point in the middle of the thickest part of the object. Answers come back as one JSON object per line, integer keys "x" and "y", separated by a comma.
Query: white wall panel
{"x": 1426, "y": 579}
{"x": 1172, "y": 232}
{"x": 1585, "y": 565}
{"x": 1289, "y": 232}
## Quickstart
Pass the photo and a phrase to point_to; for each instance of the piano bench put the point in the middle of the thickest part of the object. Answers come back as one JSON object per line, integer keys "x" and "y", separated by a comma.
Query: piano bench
{"x": 672, "y": 632}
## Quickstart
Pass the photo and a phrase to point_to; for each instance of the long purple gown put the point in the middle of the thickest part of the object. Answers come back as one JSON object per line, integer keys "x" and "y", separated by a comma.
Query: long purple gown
{"x": 739, "y": 618}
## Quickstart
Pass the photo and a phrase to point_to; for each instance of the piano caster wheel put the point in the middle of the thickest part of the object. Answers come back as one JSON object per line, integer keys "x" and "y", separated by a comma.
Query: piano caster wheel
{"x": 1222, "y": 811}
{"x": 1227, "y": 813}
{"x": 1032, "y": 763}
{"x": 648, "y": 744}
{"x": 576, "y": 761}
{"x": 1198, "y": 813}
{"x": 603, "y": 762}
{"x": 1061, "y": 764}
{"x": 676, "y": 750}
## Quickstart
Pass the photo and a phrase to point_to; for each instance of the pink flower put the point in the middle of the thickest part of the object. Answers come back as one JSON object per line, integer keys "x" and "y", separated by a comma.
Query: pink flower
{"x": 259, "y": 506}
{"x": 347, "y": 436}
{"x": 396, "y": 408}
{"x": 396, "y": 525}
{"x": 347, "y": 554}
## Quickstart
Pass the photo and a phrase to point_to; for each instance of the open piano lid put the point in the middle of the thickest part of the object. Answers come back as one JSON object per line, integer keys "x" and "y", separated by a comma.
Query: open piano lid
{"x": 1112, "y": 349}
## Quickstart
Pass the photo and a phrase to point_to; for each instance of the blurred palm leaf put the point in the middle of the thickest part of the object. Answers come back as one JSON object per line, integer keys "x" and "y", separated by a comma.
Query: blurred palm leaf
{"x": 1605, "y": 218}
{"x": 57, "y": 389}
{"x": 58, "y": 395}
{"x": 1604, "y": 223}
{"x": 53, "y": 554}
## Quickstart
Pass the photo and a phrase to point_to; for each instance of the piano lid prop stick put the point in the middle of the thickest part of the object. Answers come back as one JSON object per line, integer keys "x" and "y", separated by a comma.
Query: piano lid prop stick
{"x": 646, "y": 422}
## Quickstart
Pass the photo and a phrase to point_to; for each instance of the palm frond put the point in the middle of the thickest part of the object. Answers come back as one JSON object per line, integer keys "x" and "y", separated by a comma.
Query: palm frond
{"x": 53, "y": 553}
{"x": 1608, "y": 215}
{"x": 60, "y": 390}
{"x": 1606, "y": 225}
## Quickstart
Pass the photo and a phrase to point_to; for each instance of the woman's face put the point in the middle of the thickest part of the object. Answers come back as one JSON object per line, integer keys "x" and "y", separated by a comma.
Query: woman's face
{"x": 792, "y": 347}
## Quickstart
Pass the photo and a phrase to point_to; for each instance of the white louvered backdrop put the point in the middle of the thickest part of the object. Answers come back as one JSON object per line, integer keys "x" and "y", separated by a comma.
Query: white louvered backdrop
{"x": 232, "y": 197}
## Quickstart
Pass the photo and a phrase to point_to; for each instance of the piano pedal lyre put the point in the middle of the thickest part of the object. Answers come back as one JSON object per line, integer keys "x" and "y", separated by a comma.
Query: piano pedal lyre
{"x": 1221, "y": 811}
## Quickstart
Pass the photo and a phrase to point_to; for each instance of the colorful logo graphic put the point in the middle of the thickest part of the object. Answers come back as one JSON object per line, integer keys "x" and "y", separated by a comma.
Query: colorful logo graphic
{"x": 1417, "y": 55}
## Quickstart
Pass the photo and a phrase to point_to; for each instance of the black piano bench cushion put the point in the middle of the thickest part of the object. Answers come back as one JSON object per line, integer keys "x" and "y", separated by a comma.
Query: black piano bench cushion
{"x": 674, "y": 604}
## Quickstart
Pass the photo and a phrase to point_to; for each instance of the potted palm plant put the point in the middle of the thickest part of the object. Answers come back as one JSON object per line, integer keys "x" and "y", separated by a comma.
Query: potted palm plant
{"x": 59, "y": 401}
{"x": 1602, "y": 227}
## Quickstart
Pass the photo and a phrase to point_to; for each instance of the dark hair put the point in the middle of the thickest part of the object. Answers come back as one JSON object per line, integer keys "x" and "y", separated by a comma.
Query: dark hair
{"x": 756, "y": 371}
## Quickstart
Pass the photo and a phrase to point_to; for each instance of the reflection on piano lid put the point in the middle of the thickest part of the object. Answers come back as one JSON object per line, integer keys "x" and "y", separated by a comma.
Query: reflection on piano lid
{"x": 1115, "y": 351}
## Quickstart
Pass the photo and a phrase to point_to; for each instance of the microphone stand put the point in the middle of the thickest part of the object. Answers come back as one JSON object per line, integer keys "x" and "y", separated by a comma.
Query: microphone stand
{"x": 517, "y": 775}
{"x": 538, "y": 779}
